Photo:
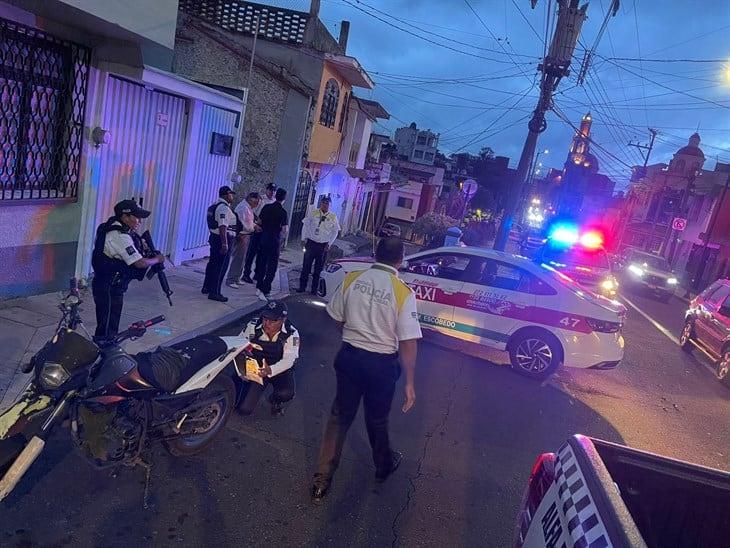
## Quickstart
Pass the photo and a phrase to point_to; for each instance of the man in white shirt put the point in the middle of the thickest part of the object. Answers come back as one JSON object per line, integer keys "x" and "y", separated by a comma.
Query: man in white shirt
{"x": 255, "y": 241}
{"x": 247, "y": 227}
{"x": 380, "y": 331}
{"x": 319, "y": 231}
{"x": 277, "y": 349}
{"x": 222, "y": 223}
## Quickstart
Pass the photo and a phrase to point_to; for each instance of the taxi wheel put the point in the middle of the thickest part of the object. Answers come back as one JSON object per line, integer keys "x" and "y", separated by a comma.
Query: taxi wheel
{"x": 535, "y": 353}
{"x": 723, "y": 367}
{"x": 321, "y": 288}
{"x": 685, "y": 339}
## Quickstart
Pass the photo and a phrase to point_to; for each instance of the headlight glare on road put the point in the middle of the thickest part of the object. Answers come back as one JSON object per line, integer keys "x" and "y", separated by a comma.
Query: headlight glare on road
{"x": 672, "y": 281}
{"x": 636, "y": 270}
{"x": 53, "y": 375}
{"x": 608, "y": 284}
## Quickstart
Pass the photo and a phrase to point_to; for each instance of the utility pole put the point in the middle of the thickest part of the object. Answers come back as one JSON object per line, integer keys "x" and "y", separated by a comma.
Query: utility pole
{"x": 629, "y": 198}
{"x": 554, "y": 67}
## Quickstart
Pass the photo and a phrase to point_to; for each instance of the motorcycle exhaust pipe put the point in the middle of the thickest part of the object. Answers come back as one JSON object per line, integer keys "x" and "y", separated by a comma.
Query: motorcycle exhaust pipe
{"x": 18, "y": 469}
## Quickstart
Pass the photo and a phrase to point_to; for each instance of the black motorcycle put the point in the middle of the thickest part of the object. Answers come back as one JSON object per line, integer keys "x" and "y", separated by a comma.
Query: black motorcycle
{"x": 115, "y": 403}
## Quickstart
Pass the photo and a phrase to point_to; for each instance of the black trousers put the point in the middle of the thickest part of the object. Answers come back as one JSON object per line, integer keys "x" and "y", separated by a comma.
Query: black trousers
{"x": 367, "y": 376}
{"x": 217, "y": 265}
{"x": 267, "y": 261}
{"x": 253, "y": 249}
{"x": 284, "y": 391}
{"x": 314, "y": 255}
{"x": 109, "y": 300}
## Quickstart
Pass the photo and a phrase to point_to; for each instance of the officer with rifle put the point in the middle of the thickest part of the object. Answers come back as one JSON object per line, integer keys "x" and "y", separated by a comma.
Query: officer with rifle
{"x": 117, "y": 259}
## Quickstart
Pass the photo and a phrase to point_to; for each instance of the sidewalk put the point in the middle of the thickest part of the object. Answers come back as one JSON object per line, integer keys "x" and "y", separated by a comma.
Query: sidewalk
{"x": 27, "y": 323}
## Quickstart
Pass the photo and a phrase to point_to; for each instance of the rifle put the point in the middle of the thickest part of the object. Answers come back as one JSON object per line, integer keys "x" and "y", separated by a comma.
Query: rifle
{"x": 149, "y": 250}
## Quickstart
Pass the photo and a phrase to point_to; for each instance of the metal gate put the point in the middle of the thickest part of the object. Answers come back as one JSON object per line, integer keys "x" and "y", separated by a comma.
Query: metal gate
{"x": 142, "y": 158}
{"x": 301, "y": 204}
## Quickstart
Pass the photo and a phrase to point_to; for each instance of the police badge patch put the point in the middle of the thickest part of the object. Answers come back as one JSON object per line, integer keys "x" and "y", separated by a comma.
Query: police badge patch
{"x": 130, "y": 250}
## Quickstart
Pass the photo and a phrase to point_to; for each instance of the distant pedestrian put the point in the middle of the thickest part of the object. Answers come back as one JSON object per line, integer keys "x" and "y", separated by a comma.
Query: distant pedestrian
{"x": 380, "y": 329}
{"x": 222, "y": 223}
{"x": 319, "y": 231}
{"x": 274, "y": 221}
{"x": 255, "y": 240}
{"x": 247, "y": 228}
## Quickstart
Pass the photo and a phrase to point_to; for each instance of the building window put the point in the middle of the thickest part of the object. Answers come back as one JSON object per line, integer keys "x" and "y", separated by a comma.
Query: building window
{"x": 421, "y": 139}
{"x": 405, "y": 202}
{"x": 328, "y": 115}
{"x": 42, "y": 103}
{"x": 418, "y": 154}
{"x": 428, "y": 156}
{"x": 430, "y": 142}
{"x": 344, "y": 115}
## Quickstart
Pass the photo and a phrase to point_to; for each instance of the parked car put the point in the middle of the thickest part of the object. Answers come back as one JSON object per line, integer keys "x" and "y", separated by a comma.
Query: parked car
{"x": 595, "y": 493}
{"x": 539, "y": 316}
{"x": 648, "y": 272}
{"x": 589, "y": 267}
{"x": 531, "y": 240}
{"x": 389, "y": 229}
{"x": 707, "y": 327}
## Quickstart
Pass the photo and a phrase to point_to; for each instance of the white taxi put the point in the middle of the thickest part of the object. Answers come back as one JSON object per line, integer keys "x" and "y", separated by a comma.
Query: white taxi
{"x": 539, "y": 316}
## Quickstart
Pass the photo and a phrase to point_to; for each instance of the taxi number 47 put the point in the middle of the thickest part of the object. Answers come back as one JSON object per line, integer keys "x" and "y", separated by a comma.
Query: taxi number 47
{"x": 567, "y": 321}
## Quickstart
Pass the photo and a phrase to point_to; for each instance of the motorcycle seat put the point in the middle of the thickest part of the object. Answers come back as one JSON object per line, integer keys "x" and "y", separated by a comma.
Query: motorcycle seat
{"x": 168, "y": 368}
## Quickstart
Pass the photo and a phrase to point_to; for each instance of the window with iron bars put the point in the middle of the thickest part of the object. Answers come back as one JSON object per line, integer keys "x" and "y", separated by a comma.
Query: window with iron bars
{"x": 329, "y": 103}
{"x": 43, "y": 83}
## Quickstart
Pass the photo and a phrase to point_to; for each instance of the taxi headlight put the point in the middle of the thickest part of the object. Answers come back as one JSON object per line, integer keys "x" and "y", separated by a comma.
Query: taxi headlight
{"x": 672, "y": 281}
{"x": 636, "y": 270}
{"x": 53, "y": 375}
{"x": 334, "y": 267}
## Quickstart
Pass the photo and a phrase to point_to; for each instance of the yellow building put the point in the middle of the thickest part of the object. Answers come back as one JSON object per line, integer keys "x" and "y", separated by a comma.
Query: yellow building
{"x": 340, "y": 74}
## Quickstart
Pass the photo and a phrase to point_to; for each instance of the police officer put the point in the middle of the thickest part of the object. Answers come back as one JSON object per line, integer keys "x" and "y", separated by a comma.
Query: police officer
{"x": 117, "y": 260}
{"x": 380, "y": 329}
{"x": 222, "y": 224}
{"x": 278, "y": 341}
{"x": 319, "y": 232}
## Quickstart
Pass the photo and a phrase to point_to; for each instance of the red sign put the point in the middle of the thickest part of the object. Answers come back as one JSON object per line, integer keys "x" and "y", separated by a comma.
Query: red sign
{"x": 679, "y": 224}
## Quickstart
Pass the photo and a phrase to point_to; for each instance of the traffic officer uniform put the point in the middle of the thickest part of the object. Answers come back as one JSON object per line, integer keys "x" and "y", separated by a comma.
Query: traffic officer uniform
{"x": 280, "y": 352}
{"x": 377, "y": 311}
{"x": 219, "y": 214}
{"x": 116, "y": 249}
{"x": 319, "y": 231}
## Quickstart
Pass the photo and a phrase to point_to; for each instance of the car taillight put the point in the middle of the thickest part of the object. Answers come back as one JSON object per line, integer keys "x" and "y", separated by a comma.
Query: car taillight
{"x": 603, "y": 326}
{"x": 541, "y": 478}
{"x": 332, "y": 267}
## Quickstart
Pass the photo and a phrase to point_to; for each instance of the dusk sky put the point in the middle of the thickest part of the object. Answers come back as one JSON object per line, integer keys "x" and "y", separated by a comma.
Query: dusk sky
{"x": 472, "y": 81}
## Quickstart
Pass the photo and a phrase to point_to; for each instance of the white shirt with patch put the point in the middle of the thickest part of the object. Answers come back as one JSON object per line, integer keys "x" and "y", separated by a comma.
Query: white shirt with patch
{"x": 378, "y": 310}
{"x": 224, "y": 216}
{"x": 291, "y": 347}
{"x": 319, "y": 227}
{"x": 119, "y": 245}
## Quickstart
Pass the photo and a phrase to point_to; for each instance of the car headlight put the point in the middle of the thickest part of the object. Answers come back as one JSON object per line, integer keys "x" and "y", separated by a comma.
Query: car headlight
{"x": 334, "y": 267}
{"x": 53, "y": 375}
{"x": 636, "y": 270}
{"x": 672, "y": 281}
{"x": 608, "y": 284}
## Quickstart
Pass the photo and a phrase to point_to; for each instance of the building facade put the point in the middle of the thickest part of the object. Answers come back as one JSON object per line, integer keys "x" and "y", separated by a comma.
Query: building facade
{"x": 416, "y": 145}
{"x": 93, "y": 116}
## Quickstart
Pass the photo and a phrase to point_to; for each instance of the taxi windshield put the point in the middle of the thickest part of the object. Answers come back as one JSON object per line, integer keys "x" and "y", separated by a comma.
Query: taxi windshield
{"x": 653, "y": 261}
{"x": 575, "y": 256}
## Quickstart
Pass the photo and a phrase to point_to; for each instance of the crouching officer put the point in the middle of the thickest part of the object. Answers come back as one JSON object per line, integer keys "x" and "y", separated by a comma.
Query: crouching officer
{"x": 117, "y": 260}
{"x": 276, "y": 348}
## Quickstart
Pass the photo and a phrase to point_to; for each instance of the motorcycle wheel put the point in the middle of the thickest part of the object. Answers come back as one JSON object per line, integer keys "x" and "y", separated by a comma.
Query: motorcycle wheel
{"x": 224, "y": 390}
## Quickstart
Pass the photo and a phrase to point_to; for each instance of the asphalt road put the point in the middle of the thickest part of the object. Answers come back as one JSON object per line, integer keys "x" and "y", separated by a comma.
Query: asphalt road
{"x": 469, "y": 445}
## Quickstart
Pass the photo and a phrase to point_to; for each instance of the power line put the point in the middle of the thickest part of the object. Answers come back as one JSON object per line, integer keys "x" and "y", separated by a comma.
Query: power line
{"x": 543, "y": 40}
{"x": 638, "y": 46}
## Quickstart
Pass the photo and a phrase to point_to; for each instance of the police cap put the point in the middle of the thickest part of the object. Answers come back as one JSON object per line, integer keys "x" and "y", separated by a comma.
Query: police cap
{"x": 222, "y": 191}
{"x": 130, "y": 207}
{"x": 274, "y": 310}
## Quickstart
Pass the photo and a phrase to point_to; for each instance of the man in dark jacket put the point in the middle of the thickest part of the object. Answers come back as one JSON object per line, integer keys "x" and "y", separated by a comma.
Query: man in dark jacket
{"x": 274, "y": 221}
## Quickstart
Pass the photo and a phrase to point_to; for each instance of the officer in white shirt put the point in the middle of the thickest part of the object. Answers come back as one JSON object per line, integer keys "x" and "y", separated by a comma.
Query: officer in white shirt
{"x": 276, "y": 349}
{"x": 380, "y": 331}
{"x": 319, "y": 231}
{"x": 222, "y": 224}
{"x": 254, "y": 242}
{"x": 247, "y": 228}
{"x": 117, "y": 260}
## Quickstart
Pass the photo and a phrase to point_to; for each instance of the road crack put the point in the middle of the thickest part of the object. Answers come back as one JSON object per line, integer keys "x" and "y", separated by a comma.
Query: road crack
{"x": 419, "y": 469}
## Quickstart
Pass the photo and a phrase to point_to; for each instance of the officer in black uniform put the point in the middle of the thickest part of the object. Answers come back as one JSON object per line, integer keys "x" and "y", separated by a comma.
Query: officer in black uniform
{"x": 117, "y": 260}
{"x": 223, "y": 224}
{"x": 276, "y": 348}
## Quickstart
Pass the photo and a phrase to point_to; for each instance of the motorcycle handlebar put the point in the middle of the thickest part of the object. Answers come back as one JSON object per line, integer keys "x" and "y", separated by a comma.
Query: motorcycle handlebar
{"x": 155, "y": 320}
{"x": 138, "y": 329}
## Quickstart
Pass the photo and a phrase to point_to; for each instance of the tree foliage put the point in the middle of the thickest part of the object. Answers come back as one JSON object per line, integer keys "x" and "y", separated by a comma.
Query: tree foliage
{"x": 433, "y": 226}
